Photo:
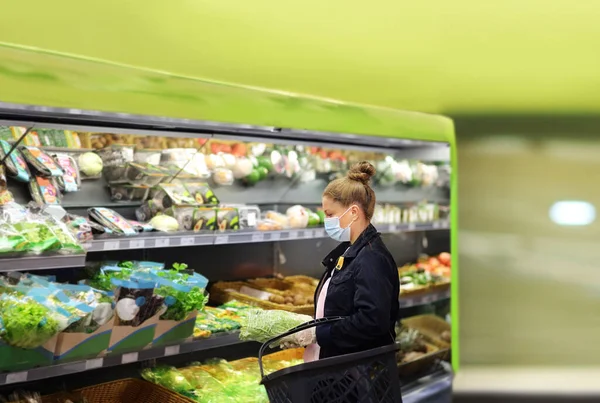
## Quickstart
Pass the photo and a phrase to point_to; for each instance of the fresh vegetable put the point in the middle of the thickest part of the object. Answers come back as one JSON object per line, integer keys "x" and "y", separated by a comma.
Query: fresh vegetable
{"x": 261, "y": 325}
{"x": 25, "y": 323}
{"x": 164, "y": 223}
{"x": 181, "y": 293}
{"x": 90, "y": 164}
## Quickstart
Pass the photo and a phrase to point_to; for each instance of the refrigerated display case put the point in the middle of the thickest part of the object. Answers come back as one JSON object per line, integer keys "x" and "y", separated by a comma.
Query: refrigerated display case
{"x": 236, "y": 175}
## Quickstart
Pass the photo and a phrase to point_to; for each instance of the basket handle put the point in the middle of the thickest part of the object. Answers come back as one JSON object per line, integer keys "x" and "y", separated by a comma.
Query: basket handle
{"x": 304, "y": 326}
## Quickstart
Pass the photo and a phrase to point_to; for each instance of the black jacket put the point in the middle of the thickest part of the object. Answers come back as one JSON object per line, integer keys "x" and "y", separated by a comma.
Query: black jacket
{"x": 364, "y": 290}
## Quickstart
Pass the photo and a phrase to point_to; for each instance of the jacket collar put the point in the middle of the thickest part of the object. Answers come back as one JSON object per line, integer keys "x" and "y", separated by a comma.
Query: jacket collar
{"x": 352, "y": 249}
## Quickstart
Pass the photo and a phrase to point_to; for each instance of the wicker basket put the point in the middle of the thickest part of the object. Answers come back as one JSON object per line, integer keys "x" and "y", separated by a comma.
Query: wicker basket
{"x": 124, "y": 391}
{"x": 429, "y": 326}
{"x": 223, "y": 292}
{"x": 313, "y": 282}
{"x": 439, "y": 287}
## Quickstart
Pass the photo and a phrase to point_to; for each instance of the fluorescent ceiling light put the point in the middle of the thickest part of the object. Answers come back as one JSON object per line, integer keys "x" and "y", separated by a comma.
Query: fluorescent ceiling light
{"x": 572, "y": 213}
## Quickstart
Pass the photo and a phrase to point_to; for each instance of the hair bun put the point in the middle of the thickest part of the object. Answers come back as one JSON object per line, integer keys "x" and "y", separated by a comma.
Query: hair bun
{"x": 361, "y": 172}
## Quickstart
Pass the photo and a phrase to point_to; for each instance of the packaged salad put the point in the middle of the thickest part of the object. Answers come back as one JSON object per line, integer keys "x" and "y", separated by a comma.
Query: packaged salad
{"x": 44, "y": 190}
{"x": 41, "y": 163}
{"x": 136, "y": 301}
{"x": 70, "y": 181}
{"x": 112, "y": 220}
{"x": 16, "y": 167}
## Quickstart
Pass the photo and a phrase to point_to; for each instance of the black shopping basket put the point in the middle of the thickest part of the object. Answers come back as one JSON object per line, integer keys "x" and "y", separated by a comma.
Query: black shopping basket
{"x": 366, "y": 377}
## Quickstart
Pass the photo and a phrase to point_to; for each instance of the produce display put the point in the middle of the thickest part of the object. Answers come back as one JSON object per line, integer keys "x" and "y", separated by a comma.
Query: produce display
{"x": 261, "y": 325}
{"x": 225, "y": 318}
{"x": 219, "y": 380}
{"x": 427, "y": 273}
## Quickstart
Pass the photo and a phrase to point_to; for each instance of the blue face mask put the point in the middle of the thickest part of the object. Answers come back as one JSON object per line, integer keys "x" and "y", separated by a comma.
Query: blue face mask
{"x": 335, "y": 230}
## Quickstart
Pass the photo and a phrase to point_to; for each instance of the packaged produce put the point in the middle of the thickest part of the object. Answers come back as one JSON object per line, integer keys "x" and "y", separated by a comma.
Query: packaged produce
{"x": 223, "y": 176}
{"x": 40, "y": 238}
{"x": 261, "y": 325}
{"x": 16, "y": 166}
{"x": 268, "y": 225}
{"x": 26, "y": 323}
{"x": 183, "y": 215}
{"x": 248, "y": 214}
{"x": 207, "y": 323}
{"x": 134, "y": 174}
{"x": 5, "y": 133}
{"x": 204, "y": 219}
{"x": 147, "y": 156}
{"x": 141, "y": 226}
{"x": 11, "y": 241}
{"x": 188, "y": 161}
{"x": 279, "y": 218}
{"x": 202, "y": 193}
{"x": 112, "y": 220}
{"x": 165, "y": 223}
{"x": 3, "y": 187}
{"x": 168, "y": 194}
{"x": 228, "y": 219}
{"x": 41, "y": 163}
{"x": 129, "y": 192}
{"x": 148, "y": 210}
{"x": 115, "y": 155}
{"x": 298, "y": 216}
{"x": 101, "y": 304}
{"x": 424, "y": 175}
{"x": 136, "y": 301}
{"x": 44, "y": 190}
{"x": 70, "y": 181}
{"x": 90, "y": 164}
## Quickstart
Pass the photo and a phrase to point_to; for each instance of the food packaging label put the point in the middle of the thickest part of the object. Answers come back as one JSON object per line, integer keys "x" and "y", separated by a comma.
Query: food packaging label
{"x": 44, "y": 160}
{"x": 48, "y": 190}
{"x": 70, "y": 175}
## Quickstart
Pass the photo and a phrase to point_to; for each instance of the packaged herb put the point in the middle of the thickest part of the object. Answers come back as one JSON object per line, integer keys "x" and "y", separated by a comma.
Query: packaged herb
{"x": 41, "y": 163}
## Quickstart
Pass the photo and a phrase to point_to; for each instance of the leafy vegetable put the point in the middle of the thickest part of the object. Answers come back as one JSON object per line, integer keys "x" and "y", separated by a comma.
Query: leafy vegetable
{"x": 164, "y": 223}
{"x": 26, "y": 323}
{"x": 90, "y": 164}
{"x": 181, "y": 301}
{"x": 261, "y": 325}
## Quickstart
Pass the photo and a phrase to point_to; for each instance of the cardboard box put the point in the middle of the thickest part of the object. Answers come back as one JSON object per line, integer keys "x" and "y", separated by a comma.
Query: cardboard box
{"x": 79, "y": 346}
{"x": 18, "y": 359}
{"x": 173, "y": 332}
{"x": 125, "y": 339}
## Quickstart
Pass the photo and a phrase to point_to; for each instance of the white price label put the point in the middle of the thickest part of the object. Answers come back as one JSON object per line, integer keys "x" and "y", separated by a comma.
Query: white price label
{"x": 259, "y": 237}
{"x": 445, "y": 224}
{"x": 320, "y": 233}
{"x": 16, "y": 377}
{"x": 137, "y": 244}
{"x": 436, "y": 224}
{"x": 162, "y": 243}
{"x": 293, "y": 234}
{"x": 393, "y": 228}
{"x": 309, "y": 234}
{"x": 93, "y": 364}
{"x": 187, "y": 241}
{"x": 275, "y": 236}
{"x": 411, "y": 227}
{"x": 111, "y": 245}
{"x": 221, "y": 239}
{"x": 129, "y": 358}
{"x": 171, "y": 350}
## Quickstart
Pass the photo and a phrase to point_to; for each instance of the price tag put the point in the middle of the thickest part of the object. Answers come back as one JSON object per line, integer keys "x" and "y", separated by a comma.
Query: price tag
{"x": 436, "y": 224}
{"x": 428, "y": 299}
{"x": 137, "y": 244}
{"x": 293, "y": 234}
{"x": 320, "y": 233}
{"x": 16, "y": 377}
{"x": 111, "y": 245}
{"x": 445, "y": 224}
{"x": 393, "y": 228}
{"x": 221, "y": 239}
{"x": 162, "y": 243}
{"x": 275, "y": 236}
{"x": 93, "y": 364}
{"x": 187, "y": 241}
{"x": 129, "y": 358}
{"x": 171, "y": 350}
{"x": 308, "y": 234}
{"x": 411, "y": 227}
{"x": 258, "y": 237}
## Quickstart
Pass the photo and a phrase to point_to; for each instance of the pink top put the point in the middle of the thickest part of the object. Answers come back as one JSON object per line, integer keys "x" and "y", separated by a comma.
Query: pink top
{"x": 311, "y": 353}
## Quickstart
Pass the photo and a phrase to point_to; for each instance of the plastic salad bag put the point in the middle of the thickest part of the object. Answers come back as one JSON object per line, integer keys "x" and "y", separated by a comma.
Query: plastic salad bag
{"x": 11, "y": 240}
{"x": 100, "y": 302}
{"x": 261, "y": 325}
{"x": 136, "y": 301}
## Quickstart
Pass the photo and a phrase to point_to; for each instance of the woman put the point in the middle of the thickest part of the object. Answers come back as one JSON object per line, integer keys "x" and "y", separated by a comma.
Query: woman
{"x": 360, "y": 282}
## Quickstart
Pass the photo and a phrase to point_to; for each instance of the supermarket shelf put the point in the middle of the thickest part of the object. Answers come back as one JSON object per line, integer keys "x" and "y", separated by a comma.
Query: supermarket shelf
{"x": 41, "y": 262}
{"x": 215, "y": 341}
{"x": 408, "y": 301}
{"x": 162, "y": 240}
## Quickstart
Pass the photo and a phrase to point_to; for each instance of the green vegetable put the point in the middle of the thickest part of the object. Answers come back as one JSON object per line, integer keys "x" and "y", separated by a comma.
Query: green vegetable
{"x": 90, "y": 164}
{"x": 261, "y": 325}
{"x": 183, "y": 302}
{"x": 25, "y": 323}
{"x": 38, "y": 235}
{"x": 164, "y": 223}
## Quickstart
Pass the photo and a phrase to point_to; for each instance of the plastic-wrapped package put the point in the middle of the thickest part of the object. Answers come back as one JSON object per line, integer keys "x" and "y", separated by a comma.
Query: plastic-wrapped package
{"x": 25, "y": 322}
{"x": 136, "y": 301}
{"x": 168, "y": 377}
{"x": 11, "y": 241}
{"x": 298, "y": 216}
{"x": 112, "y": 220}
{"x": 16, "y": 166}
{"x": 202, "y": 193}
{"x": 68, "y": 241}
{"x": 124, "y": 192}
{"x": 279, "y": 218}
{"x": 40, "y": 238}
{"x": 228, "y": 219}
{"x": 188, "y": 161}
{"x": 134, "y": 173}
{"x": 424, "y": 175}
{"x": 100, "y": 302}
{"x": 44, "y": 190}
{"x": 261, "y": 325}
{"x": 70, "y": 181}
{"x": 204, "y": 219}
{"x": 116, "y": 155}
{"x": 41, "y": 163}
{"x": 248, "y": 214}
{"x": 184, "y": 216}
{"x": 167, "y": 194}
{"x": 223, "y": 176}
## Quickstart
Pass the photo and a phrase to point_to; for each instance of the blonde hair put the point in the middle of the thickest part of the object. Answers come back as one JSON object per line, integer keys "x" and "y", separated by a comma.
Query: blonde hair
{"x": 354, "y": 188}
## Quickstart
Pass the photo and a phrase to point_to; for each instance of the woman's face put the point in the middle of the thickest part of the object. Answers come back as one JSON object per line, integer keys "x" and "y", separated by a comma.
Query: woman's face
{"x": 332, "y": 208}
